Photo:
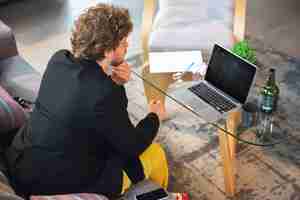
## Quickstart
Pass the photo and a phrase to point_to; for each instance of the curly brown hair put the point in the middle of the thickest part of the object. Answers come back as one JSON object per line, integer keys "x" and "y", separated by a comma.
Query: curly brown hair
{"x": 100, "y": 28}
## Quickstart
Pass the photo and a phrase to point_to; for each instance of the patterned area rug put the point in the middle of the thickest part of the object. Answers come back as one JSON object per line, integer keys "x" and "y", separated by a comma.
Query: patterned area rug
{"x": 192, "y": 146}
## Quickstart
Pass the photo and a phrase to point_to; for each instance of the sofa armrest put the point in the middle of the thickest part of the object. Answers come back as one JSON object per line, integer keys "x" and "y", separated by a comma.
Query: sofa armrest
{"x": 8, "y": 45}
{"x": 19, "y": 78}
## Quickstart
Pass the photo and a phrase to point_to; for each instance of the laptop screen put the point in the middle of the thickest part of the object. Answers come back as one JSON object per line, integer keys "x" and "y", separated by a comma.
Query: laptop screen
{"x": 230, "y": 74}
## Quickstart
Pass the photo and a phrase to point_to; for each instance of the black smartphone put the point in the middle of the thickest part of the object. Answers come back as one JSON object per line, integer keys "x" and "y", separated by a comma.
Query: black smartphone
{"x": 159, "y": 194}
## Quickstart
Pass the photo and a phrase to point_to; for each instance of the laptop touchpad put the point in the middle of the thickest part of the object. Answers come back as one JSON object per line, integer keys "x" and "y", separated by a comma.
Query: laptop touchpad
{"x": 189, "y": 99}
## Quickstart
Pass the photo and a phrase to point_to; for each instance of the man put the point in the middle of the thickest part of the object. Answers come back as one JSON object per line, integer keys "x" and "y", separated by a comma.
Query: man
{"x": 79, "y": 137}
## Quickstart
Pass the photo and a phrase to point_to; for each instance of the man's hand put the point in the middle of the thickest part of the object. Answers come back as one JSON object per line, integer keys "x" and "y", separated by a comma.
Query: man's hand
{"x": 158, "y": 108}
{"x": 121, "y": 73}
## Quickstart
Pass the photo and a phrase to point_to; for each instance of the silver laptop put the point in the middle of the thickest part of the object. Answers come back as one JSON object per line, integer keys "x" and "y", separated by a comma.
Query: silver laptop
{"x": 224, "y": 89}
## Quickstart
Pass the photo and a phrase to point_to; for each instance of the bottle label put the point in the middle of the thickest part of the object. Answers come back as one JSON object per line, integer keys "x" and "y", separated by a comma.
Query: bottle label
{"x": 267, "y": 103}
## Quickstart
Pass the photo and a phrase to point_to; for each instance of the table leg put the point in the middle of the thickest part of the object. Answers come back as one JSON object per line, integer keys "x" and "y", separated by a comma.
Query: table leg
{"x": 227, "y": 150}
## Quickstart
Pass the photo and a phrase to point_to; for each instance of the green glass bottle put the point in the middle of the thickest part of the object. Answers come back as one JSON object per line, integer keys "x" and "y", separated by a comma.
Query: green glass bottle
{"x": 270, "y": 94}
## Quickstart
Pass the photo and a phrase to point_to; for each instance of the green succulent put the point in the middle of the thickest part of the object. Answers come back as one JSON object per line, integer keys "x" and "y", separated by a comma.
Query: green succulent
{"x": 244, "y": 50}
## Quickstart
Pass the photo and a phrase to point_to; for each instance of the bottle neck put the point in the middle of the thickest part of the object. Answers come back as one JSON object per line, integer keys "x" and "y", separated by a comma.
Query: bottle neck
{"x": 271, "y": 79}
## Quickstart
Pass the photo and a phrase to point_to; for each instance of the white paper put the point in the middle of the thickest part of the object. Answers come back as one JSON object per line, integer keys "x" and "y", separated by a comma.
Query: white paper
{"x": 175, "y": 61}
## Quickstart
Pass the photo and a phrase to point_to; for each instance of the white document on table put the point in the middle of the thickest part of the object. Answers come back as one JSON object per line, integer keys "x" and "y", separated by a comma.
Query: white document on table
{"x": 175, "y": 61}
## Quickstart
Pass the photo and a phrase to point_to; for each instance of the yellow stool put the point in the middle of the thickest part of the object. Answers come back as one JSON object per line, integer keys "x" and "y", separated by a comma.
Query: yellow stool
{"x": 155, "y": 167}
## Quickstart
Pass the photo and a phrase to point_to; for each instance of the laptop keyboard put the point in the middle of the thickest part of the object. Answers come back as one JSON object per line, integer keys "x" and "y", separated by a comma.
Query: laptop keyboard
{"x": 210, "y": 96}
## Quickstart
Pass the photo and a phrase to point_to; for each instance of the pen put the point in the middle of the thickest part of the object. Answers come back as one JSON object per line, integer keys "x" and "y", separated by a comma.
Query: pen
{"x": 189, "y": 67}
{"x": 177, "y": 76}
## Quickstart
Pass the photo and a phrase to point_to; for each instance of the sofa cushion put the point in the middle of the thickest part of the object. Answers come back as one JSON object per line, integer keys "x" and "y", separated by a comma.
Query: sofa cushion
{"x": 192, "y": 24}
{"x": 8, "y": 46}
{"x": 12, "y": 115}
{"x": 19, "y": 78}
{"x": 9, "y": 196}
{"x": 79, "y": 196}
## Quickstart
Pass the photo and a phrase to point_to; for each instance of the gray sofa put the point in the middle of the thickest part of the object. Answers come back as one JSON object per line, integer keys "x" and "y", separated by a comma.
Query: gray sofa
{"x": 16, "y": 75}
{"x": 3, "y": 1}
{"x": 20, "y": 80}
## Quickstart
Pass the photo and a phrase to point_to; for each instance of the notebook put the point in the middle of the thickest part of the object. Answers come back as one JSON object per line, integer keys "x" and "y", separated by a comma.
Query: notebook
{"x": 175, "y": 61}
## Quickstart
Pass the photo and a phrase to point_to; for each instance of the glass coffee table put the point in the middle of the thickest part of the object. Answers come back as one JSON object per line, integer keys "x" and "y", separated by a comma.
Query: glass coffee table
{"x": 230, "y": 131}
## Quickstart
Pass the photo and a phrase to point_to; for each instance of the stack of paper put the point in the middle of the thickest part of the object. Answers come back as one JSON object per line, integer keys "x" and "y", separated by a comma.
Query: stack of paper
{"x": 175, "y": 61}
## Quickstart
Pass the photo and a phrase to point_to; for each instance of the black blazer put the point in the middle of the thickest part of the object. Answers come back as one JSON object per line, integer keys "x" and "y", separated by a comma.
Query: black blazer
{"x": 79, "y": 137}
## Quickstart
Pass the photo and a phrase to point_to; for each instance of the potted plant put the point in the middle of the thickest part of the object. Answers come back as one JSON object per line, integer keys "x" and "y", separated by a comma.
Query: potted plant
{"x": 244, "y": 50}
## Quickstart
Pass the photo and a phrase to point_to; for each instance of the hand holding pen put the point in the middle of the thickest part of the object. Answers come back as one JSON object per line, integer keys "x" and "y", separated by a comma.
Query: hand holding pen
{"x": 197, "y": 71}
